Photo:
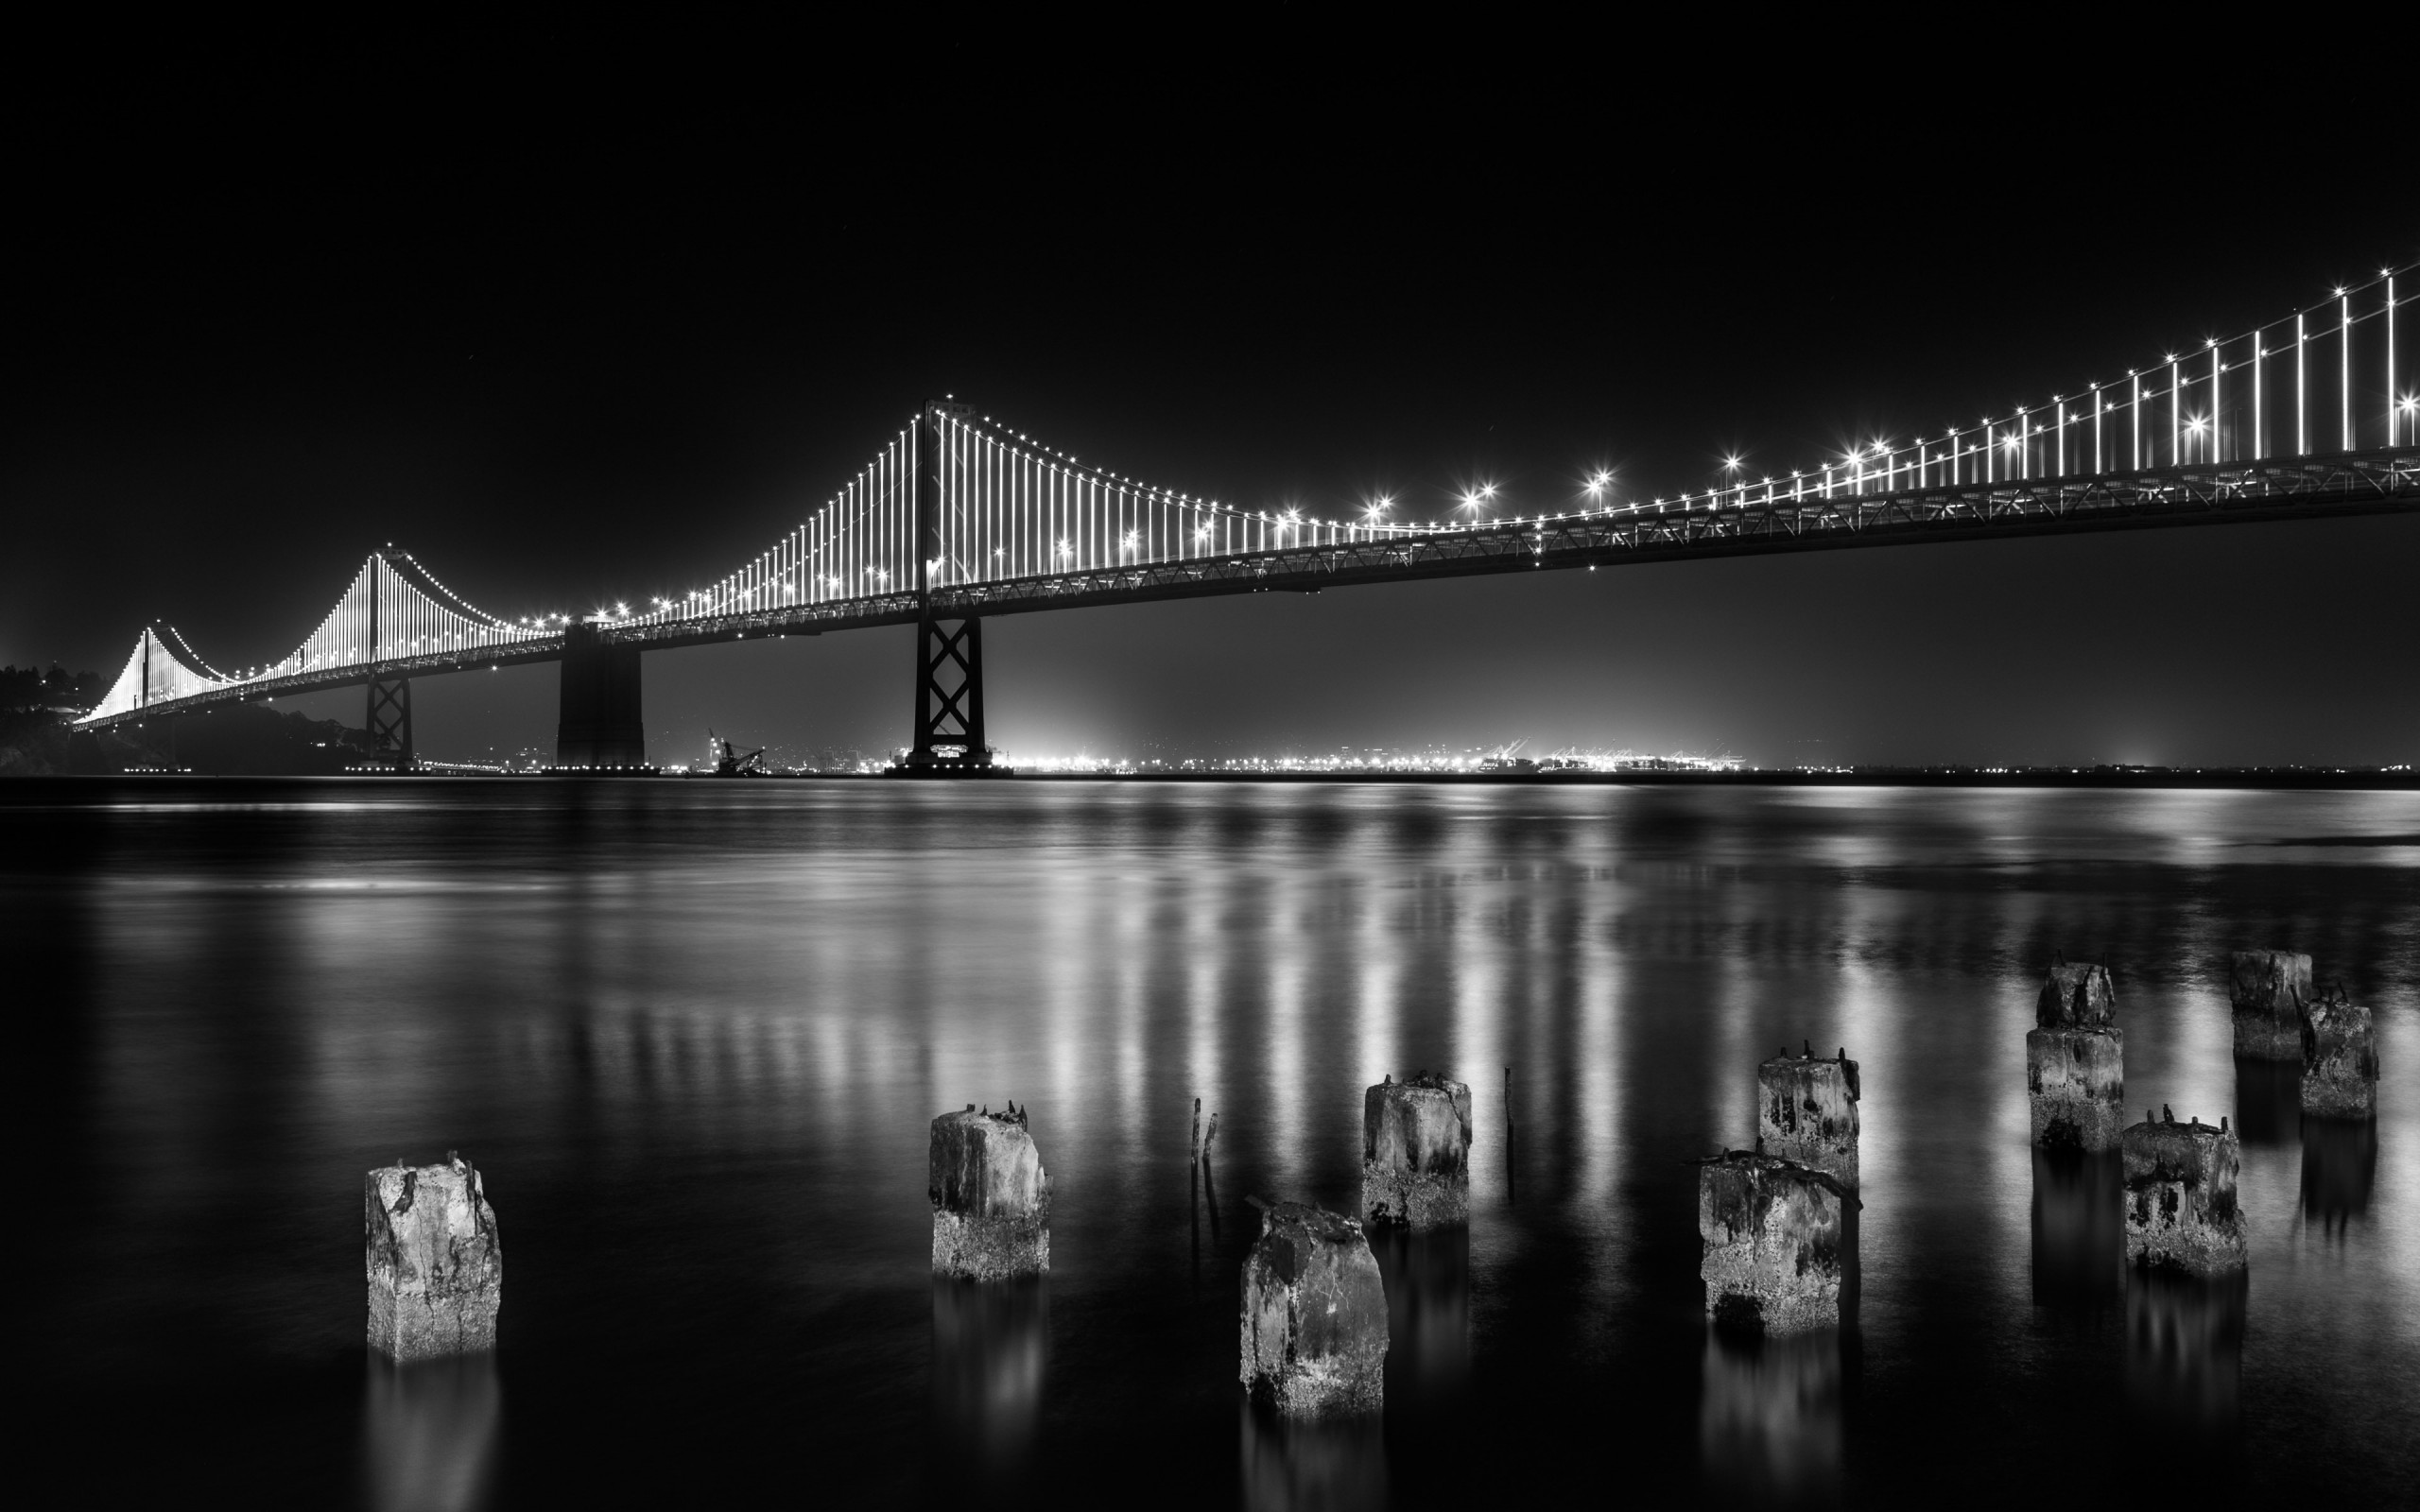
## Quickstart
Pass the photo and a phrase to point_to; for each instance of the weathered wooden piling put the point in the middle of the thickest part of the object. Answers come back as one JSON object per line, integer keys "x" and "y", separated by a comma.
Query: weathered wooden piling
{"x": 2181, "y": 1212}
{"x": 2075, "y": 1062}
{"x": 2339, "y": 1057}
{"x": 1416, "y": 1152}
{"x": 1772, "y": 1232}
{"x": 1806, "y": 1111}
{"x": 2269, "y": 988}
{"x": 1314, "y": 1315}
{"x": 434, "y": 1262}
{"x": 990, "y": 1197}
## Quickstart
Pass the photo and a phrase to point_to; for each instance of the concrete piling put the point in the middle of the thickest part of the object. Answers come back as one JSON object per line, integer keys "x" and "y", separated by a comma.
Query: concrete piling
{"x": 434, "y": 1262}
{"x": 2340, "y": 1058}
{"x": 1771, "y": 1229}
{"x": 2075, "y": 1062}
{"x": 2181, "y": 1212}
{"x": 1416, "y": 1152}
{"x": 1314, "y": 1315}
{"x": 1806, "y": 1111}
{"x": 990, "y": 1197}
{"x": 2269, "y": 988}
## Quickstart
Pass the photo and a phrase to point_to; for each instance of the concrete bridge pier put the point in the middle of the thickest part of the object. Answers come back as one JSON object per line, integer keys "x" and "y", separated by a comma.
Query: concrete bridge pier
{"x": 600, "y": 726}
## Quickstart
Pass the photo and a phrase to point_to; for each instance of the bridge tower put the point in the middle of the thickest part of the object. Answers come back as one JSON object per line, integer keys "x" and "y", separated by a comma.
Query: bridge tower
{"x": 389, "y": 718}
{"x": 949, "y": 651}
{"x": 601, "y": 725}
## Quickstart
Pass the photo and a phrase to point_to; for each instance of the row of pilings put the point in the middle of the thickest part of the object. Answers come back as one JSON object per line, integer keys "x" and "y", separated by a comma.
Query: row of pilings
{"x": 1777, "y": 1220}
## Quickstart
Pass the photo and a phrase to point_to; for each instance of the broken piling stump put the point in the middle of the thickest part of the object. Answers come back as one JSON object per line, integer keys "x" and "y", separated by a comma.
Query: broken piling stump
{"x": 1314, "y": 1315}
{"x": 434, "y": 1262}
{"x": 1771, "y": 1232}
{"x": 2181, "y": 1212}
{"x": 2340, "y": 1058}
{"x": 2075, "y": 1062}
{"x": 1806, "y": 1111}
{"x": 990, "y": 1197}
{"x": 2269, "y": 988}
{"x": 1416, "y": 1152}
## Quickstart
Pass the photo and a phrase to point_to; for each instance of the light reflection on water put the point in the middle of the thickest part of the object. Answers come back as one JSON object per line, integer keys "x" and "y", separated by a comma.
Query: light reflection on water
{"x": 694, "y": 1033}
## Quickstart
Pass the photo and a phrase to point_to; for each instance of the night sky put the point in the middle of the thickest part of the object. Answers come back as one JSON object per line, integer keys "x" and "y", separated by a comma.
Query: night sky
{"x": 579, "y": 319}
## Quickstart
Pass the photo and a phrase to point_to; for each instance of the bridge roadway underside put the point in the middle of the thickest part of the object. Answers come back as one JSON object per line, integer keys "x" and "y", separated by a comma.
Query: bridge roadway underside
{"x": 600, "y": 707}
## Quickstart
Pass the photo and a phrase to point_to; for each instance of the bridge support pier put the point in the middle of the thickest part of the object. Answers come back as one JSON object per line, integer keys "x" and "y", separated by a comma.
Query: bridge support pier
{"x": 600, "y": 726}
{"x": 949, "y": 701}
{"x": 391, "y": 721}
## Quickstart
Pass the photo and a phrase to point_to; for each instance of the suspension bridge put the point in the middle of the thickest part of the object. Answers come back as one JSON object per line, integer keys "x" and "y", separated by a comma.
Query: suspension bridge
{"x": 959, "y": 517}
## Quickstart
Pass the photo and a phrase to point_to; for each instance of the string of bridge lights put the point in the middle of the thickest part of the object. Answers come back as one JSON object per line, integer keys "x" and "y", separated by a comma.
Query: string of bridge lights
{"x": 2003, "y": 451}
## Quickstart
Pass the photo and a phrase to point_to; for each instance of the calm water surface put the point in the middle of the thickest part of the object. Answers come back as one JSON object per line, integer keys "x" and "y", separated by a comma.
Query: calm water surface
{"x": 694, "y": 1033}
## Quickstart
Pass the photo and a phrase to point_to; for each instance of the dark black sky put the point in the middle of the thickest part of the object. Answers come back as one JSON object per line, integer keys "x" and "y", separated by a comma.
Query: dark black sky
{"x": 582, "y": 314}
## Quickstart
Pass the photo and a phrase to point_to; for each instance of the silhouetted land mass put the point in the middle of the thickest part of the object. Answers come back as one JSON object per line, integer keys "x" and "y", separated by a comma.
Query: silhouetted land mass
{"x": 246, "y": 740}
{"x": 38, "y": 709}
{"x": 35, "y": 708}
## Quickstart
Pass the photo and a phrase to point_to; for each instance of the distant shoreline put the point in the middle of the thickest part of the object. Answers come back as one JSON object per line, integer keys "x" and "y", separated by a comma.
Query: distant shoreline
{"x": 2269, "y": 778}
